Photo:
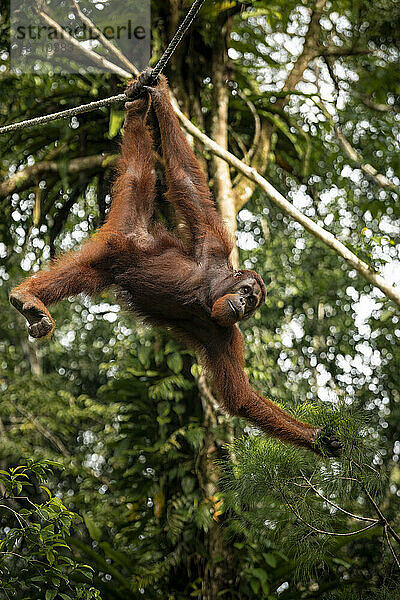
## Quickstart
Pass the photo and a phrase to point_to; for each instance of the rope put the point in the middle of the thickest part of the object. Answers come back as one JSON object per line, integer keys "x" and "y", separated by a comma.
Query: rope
{"x": 160, "y": 66}
{"x": 176, "y": 40}
{"x": 70, "y": 112}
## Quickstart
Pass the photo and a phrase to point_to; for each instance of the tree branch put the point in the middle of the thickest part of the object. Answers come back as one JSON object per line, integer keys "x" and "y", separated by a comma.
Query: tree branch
{"x": 102, "y": 38}
{"x": 322, "y": 531}
{"x": 25, "y": 178}
{"x": 343, "y": 52}
{"x": 247, "y": 157}
{"x": 93, "y": 56}
{"x": 339, "y": 508}
{"x": 366, "y": 168}
{"x": 257, "y": 127}
{"x": 351, "y": 152}
{"x": 378, "y": 511}
{"x": 378, "y": 106}
{"x": 276, "y": 197}
{"x": 389, "y": 543}
{"x": 244, "y": 190}
{"x": 310, "y": 51}
{"x": 43, "y": 430}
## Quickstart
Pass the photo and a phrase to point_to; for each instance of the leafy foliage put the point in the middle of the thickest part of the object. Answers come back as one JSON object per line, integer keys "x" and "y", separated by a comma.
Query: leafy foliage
{"x": 293, "y": 498}
{"x": 35, "y": 556}
{"x": 121, "y": 408}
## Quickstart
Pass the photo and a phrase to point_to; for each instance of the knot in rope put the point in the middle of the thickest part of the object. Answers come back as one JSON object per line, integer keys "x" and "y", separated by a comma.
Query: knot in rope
{"x": 135, "y": 89}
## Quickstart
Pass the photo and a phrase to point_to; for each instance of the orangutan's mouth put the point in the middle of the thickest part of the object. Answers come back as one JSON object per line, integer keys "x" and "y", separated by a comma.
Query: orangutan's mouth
{"x": 234, "y": 309}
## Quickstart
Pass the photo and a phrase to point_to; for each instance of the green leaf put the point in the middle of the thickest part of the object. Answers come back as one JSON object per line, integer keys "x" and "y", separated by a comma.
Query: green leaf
{"x": 270, "y": 559}
{"x": 43, "y": 487}
{"x": 255, "y": 585}
{"x": 175, "y": 362}
{"x": 116, "y": 120}
{"x": 258, "y": 573}
{"x": 144, "y": 355}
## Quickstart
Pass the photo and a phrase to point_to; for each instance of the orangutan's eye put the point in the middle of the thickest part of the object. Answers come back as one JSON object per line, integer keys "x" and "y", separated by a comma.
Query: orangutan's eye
{"x": 246, "y": 289}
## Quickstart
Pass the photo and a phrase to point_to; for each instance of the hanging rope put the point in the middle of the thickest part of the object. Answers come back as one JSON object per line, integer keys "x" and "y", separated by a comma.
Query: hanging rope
{"x": 176, "y": 40}
{"x": 160, "y": 66}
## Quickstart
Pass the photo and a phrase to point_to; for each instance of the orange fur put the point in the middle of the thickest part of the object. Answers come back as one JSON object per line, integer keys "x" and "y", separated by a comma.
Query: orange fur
{"x": 160, "y": 277}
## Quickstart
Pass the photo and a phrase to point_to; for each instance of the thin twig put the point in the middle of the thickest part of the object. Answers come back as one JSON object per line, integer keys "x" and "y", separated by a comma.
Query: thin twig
{"x": 240, "y": 144}
{"x": 350, "y": 151}
{"x": 385, "y": 529}
{"x": 338, "y": 52}
{"x": 256, "y": 138}
{"x": 331, "y": 533}
{"x": 346, "y": 512}
{"x": 45, "y": 432}
{"x": 25, "y": 558}
{"x": 16, "y": 515}
{"x": 378, "y": 511}
{"x": 257, "y": 127}
{"x": 93, "y": 56}
{"x": 102, "y": 38}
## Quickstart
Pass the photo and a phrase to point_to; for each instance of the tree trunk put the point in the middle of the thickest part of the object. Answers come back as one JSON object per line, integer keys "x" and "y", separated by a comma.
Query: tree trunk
{"x": 223, "y": 190}
{"x": 33, "y": 360}
{"x": 219, "y": 568}
{"x": 218, "y": 572}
